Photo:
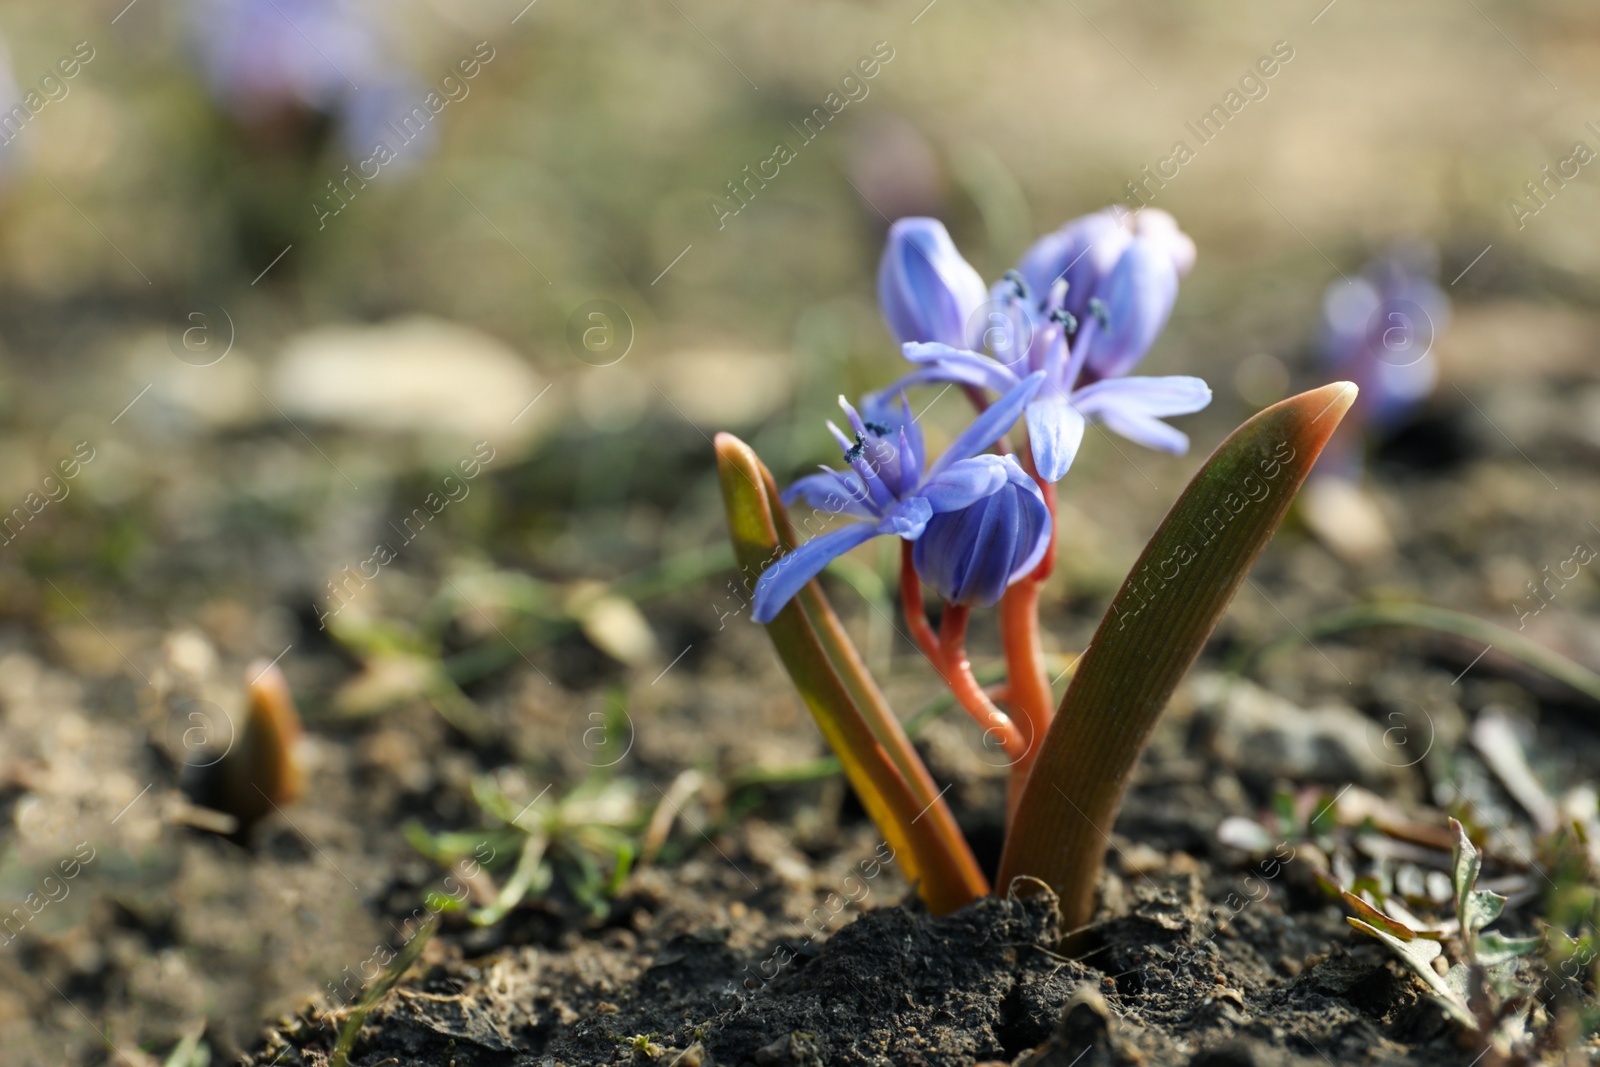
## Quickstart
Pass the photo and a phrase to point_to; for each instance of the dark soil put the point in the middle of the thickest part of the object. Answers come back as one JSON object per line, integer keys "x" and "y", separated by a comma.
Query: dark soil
{"x": 680, "y": 978}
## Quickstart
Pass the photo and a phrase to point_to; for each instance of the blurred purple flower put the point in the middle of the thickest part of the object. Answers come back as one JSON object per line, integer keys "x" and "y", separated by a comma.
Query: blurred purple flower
{"x": 391, "y": 113}
{"x": 267, "y": 59}
{"x": 10, "y": 100}
{"x": 1085, "y": 305}
{"x": 1378, "y": 331}
{"x": 262, "y": 55}
{"x": 927, "y": 291}
{"x": 887, "y": 491}
{"x": 970, "y": 556}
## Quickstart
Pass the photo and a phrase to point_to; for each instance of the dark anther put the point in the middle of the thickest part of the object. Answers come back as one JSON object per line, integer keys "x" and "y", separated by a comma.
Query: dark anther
{"x": 1068, "y": 321}
{"x": 877, "y": 427}
{"x": 1097, "y": 308}
{"x": 1018, "y": 283}
{"x": 856, "y": 449}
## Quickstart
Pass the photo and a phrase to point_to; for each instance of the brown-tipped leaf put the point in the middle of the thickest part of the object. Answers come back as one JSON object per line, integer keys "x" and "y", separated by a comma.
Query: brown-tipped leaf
{"x": 885, "y": 771}
{"x": 261, "y": 771}
{"x": 1158, "y": 622}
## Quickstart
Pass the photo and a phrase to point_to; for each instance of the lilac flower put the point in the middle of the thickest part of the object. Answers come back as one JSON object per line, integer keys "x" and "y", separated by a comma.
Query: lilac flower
{"x": 972, "y": 555}
{"x": 263, "y": 55}
{"x": 391, "y": 114}
{"x": 1087, "y": 253}
{"x": 11, "y": 98}
{"x": 927, "y": 291}
{"x": 264, "y": 59}
{"x": 1378, "y": 331}
{"x": 1085, "y": 305}
{"x": 887, "y": 491}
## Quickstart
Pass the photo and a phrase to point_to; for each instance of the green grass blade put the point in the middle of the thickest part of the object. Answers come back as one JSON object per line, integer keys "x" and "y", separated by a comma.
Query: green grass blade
{"x": 1506, "y": 642}
{"x": 530, "y": 876}
{"x": 408, "y": 954}
{"x": 1157, "y": 624}
{"x": 884, "y": 769}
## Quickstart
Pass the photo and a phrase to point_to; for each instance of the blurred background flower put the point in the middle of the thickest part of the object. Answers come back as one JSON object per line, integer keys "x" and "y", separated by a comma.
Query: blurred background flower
{"x": 1379, "y": 331}
{"x": 281, "y": 67}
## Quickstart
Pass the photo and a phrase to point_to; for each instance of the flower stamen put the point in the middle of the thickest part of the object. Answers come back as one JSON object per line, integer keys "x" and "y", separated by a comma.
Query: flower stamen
{"x": 1019, "y": 284}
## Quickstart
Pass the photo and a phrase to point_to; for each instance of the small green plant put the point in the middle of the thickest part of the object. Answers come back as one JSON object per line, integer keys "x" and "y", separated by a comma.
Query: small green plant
{"x": 588, "y": 838}
{"x": 350, "y": 1030}
{"x": 644, "y": 1046}
{"x": 190, "y": 1052}
{"x": 977, "y": 524}
{"x": 1482, "y": 989}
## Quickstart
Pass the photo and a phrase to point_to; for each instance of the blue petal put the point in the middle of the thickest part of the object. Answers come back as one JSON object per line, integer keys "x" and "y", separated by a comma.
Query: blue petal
{"x": 870, "y": 471}
{"x": 1139, "y": 294}
{"x": 843, "y": 439}
{"x": 911, "y": 434}
{"x": 1146, "y": 431}
{"x": 1082, "y": 252}
{"x": 943, "y": 555}
{"x": 991, "y": 425}
{"x": 835, "y": 492}
{"x": 962, "y": 484}
{"x": 965, "y": 367}
{"x": 910, "y": 450}
{"x": 1007, "y": 328}
{"x": 1055, "y": 431}
{"x": 1132, "y": 407}
{"x": 852, "y": 416}
{"x": 970, "y": 556}
{"x": 788, "y": 575}
{"x": 1177, "y": 394}
{"x": 907, "y": 519}
{"x": 889, "y": 409}
{"x": 1050, "y": 355}
{"x": 934, "y": 375}
{"x": 1037, "y": 520}
{"x": 926, "y": 290}
{"x": 1155, "y": 225}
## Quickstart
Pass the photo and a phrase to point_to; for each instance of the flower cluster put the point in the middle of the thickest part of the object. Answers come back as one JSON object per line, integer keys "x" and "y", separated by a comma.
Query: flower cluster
{"x": 1083, "y": 307}
{"x": 1051, "y": 344}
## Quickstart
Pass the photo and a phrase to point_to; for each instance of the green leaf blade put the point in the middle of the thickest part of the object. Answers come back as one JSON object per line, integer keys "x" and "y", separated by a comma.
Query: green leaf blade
{"x": 1495, "y": 949}
{"x": 1464, "y": 868}
{"x": 1418, "y": 956}
{"x": 1156, "y": 626}
{"x": 883, "y": 768}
